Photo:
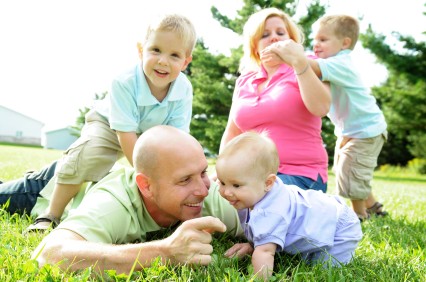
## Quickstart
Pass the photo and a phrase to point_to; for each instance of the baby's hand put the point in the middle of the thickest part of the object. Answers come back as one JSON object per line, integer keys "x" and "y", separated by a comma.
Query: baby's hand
{"x": 239, "y": 250}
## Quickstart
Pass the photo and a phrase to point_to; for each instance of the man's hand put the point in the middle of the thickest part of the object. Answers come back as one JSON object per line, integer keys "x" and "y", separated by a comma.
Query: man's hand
{"x": 239, "y": 250}
{"x": 190, "y": 243}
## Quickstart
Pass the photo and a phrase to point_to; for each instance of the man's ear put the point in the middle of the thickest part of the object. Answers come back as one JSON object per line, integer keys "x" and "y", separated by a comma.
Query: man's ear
{"x": 269, "y": 183}
{"x": 140, "y": 49}
{"x": 143, "y": 184}
{"x": 187, "y": 61}
{"x": 346, "y": 43}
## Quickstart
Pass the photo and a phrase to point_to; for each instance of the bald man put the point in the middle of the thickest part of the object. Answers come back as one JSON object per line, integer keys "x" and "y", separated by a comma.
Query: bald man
{"x": 168, "y": 185}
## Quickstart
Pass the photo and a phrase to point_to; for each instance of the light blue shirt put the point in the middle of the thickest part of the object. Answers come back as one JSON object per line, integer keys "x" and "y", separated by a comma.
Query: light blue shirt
{"x": 131, "y": 107}
{"x": 354, "y": 111}
{"x": 296, "y": 220}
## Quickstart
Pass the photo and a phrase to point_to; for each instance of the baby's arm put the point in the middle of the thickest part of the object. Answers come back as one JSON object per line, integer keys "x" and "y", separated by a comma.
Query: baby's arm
{"x": 263, "y": 260}
{"x": 127, "y": 142}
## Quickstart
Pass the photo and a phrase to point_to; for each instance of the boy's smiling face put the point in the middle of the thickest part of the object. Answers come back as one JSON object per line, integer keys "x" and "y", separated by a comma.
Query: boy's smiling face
{"x": 327, "y": 44}
{"x": 164, "y": 56}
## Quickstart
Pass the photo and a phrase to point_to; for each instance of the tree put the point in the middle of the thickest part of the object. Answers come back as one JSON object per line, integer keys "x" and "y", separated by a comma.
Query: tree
{"x": 81, "y": 120}
{"x": 402, "y": 97}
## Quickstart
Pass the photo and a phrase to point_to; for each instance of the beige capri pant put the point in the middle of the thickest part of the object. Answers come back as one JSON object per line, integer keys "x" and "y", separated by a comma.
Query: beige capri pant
{"x": 354, "y": 163}
{"x": 92, "y": 155}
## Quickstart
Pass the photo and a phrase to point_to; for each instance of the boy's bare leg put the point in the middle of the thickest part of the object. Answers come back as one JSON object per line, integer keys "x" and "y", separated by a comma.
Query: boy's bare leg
{"x": 360, "y": 208}
{"x": 62, "y": 195}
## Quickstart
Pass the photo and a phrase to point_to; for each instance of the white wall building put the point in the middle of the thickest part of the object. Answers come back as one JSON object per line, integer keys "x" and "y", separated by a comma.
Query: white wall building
{"x": 18, "y": 128}
{"x": 59, "y": 139}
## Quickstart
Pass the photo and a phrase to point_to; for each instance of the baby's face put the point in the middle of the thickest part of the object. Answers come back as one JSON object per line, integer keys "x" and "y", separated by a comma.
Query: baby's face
{"x": 238, "y": 183}
{"x": 326, "y": 43}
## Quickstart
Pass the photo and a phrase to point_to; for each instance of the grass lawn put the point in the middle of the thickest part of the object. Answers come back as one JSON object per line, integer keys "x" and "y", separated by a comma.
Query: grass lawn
{"x": 392, "y": 249}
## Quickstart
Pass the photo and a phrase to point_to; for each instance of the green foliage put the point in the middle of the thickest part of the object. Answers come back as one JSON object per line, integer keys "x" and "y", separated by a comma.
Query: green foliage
{"x": 213, "y": 78}
{"x": 81, "y": 120}
{"x": 417, "y": 166}
{"x": 329, "y": 139}
{"x": 403, "y": 96}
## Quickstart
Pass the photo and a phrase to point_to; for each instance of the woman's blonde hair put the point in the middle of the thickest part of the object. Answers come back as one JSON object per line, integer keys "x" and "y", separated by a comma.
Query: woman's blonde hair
{"x": 253, "y": 31}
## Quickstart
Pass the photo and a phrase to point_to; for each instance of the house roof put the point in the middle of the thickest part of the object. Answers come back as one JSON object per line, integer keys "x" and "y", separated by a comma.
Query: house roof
{"x": 18, "y": 113}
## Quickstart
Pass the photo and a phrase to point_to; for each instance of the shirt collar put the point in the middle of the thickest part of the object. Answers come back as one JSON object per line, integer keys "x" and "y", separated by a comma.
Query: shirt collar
{"x": 147, "y": 99}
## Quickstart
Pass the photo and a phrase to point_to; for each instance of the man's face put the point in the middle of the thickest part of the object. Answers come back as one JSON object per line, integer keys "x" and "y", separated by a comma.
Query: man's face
{"x": 181, "y": 184}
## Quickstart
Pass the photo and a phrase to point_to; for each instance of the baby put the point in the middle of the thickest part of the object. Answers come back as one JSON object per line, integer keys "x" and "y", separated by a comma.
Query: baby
{"x": 278, "y": 217}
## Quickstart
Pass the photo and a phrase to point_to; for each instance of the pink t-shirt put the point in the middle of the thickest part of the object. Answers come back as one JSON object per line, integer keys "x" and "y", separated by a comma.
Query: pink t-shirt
{"x": 279, "y": 110}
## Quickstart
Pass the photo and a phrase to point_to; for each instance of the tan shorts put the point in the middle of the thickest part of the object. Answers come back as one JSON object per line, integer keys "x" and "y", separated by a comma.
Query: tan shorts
{"x": 92, "y": 155}
{"x": 354, "y": 163}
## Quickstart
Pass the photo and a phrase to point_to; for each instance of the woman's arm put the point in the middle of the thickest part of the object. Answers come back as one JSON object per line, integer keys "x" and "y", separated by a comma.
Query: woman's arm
{"x": 315, "y": 94}
{"x": 230, "y": 132}
{"x": 189, "y": 244}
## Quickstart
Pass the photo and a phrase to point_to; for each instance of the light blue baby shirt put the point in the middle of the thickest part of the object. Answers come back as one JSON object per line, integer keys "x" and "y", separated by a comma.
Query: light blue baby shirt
{"x": 296, "y": 220}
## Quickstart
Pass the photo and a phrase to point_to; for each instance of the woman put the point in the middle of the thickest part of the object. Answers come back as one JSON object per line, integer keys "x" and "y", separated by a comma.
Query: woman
{"x": 279, "y": 94}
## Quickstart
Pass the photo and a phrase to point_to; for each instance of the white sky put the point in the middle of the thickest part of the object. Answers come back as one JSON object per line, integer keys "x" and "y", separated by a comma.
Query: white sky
{"x": 56, "y": 54}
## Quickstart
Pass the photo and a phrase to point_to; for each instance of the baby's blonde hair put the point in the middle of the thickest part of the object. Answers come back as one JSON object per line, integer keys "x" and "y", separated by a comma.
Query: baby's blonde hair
{"x": 342, "y": 26}
{"x": 262, "y": 154}
{"x": 178, "y": 24}
{"x": 253, "y": 31}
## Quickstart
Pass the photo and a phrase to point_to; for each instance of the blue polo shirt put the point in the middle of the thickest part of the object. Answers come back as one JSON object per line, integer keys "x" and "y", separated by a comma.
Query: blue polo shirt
{"x": 354, "y": 111}
{"x": 131, "y": 107}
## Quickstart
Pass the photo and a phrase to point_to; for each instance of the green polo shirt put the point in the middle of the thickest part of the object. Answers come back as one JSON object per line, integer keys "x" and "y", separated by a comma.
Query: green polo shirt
{"x": 112, "y": 211}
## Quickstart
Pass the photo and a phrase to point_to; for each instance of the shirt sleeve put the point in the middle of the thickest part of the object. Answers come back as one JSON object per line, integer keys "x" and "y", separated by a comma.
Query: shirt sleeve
{"x": 267, "y": 227}
{"x": 123, "y": 115}
{"x": 337, "y": 70}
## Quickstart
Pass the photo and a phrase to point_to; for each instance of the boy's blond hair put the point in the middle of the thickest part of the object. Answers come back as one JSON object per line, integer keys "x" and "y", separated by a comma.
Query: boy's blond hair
{"x": 261, "y": 152}
{"x": 178, "y": 24}
{"x": 343, "y": 26}
{"x": 253, "y": 30}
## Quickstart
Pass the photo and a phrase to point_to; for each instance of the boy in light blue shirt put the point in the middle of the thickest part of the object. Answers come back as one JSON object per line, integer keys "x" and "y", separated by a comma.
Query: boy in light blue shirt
{"x": 154, "y": 92}
{"x": 359, "y": 123}
{"x": 277, "y": 217}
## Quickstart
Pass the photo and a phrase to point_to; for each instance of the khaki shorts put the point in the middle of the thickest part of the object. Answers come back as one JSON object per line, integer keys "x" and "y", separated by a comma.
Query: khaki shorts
{"x": 92, "y": 155}
{"x": 354, "y": 163}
